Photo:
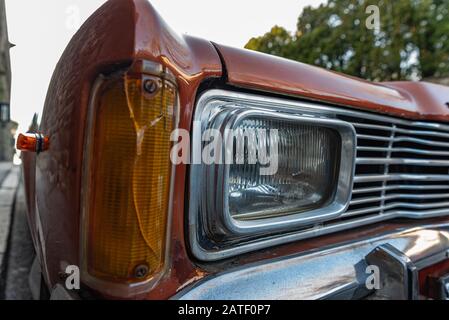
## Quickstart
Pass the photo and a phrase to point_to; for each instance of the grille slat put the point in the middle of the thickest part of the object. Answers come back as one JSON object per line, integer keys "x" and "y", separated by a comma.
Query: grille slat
{"x": 400, "y": 187}
{"x": 398, "y": 177}
{"x": 403, "y": 161}
{"x": 402, "y": 168}
{"x": 401, "y": 130}
{"x": 400, "y": 196}
{"x": 405, "y": 139}
{"x": 405, "y": 150}
{"x": 406, "y": 205}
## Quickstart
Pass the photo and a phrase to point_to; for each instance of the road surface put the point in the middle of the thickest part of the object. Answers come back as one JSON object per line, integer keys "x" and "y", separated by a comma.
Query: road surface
{"x": 16, "y": 249}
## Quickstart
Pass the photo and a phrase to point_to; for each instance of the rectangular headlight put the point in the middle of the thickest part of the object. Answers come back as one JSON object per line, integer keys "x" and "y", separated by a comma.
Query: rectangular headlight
{"x": 306, "y": 171}
{"x": 278, "y": 169}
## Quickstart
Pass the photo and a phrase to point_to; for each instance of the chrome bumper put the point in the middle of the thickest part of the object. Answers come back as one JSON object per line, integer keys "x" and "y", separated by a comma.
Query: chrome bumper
{"x": 335, "y": 273}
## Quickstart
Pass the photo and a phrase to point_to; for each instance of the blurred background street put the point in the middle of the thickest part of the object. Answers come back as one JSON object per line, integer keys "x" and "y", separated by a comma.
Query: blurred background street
{"x": 20, "y": 254}
{"x": 16, "y": 249}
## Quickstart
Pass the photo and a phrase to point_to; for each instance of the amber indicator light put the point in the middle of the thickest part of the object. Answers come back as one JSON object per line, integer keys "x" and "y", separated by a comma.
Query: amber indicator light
{"x": 129, "y": 178}
{"x": 32, "y": 142}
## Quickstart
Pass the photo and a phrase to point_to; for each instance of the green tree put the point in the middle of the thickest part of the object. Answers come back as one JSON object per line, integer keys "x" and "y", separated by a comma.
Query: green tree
{"x": 412, "y": 42}
{"x": 277, "y": 42}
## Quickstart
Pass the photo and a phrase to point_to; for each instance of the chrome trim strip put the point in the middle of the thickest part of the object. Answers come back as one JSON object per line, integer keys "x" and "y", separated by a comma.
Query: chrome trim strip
{"x": 323, "y": 273}
{"x": 399, "y": 130}
{"x": 399, "y": 196}
{"x": 398, "y": 177}
{"x": 403, "y": 161}
{"x": 400, "y": 187}
{"x": 403, "y": 213}
{"x": 404, "y": 139}
{"x": 404, "y": 150}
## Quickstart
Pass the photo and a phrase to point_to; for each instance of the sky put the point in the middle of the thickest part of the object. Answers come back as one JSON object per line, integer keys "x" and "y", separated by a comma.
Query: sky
{"x": 42, "y": 29}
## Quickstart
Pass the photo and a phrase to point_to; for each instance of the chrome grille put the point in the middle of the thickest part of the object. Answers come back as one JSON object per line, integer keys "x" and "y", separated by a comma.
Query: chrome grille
{"x": 402, "y": 171}
{"x": 402, "y": 168}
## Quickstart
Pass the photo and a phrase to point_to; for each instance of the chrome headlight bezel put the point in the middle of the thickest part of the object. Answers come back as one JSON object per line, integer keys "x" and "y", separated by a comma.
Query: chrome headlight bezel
{"x": 209, "y": 219}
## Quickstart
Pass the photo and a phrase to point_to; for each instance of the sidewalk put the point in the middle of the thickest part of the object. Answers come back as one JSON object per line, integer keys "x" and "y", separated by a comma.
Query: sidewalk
{"x": 20, "y": 253}
{"x": 16, "y": 247}
{"x": 5, "y": 167}
{"x": 9, "y": 180}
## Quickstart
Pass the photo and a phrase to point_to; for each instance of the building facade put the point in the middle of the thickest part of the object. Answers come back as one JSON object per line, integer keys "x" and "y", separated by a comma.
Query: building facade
{"x": 7, "y": 126}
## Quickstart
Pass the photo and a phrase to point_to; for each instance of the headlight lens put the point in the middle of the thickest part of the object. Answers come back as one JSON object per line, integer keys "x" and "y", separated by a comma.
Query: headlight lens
{"x": 307, "y": 170}
{"x": 242, "y": 205}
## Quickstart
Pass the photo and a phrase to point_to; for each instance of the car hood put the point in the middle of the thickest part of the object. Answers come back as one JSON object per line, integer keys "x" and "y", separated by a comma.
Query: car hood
{"x": 254, "y": 70}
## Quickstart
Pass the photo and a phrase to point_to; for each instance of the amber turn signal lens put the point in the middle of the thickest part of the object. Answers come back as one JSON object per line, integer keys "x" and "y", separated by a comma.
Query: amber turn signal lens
{"x": 129, "y": 178}
{"x": 32, "y": 142}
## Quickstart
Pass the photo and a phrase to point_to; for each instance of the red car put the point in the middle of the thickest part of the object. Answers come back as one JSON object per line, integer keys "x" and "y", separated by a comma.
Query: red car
{"x": 356, "y": 208}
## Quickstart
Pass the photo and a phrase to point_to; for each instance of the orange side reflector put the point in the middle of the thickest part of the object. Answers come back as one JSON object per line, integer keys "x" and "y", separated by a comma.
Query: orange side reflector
{"x": 32, "y": 142}
{"x": 130, "y": 174}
